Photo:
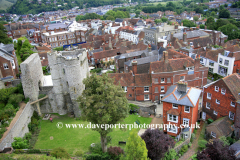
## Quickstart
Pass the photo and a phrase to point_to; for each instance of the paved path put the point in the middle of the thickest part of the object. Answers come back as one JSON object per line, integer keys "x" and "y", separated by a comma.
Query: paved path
{"x": 194, "y": 146}
{"x": 22, "y": 106}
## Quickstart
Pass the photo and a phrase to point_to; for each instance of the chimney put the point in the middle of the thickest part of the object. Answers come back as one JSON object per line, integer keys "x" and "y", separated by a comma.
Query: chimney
{"x": 182, "y": 24}
{"x": 210, "y": 36}
{"x": 182, "y": 87}
{"x": 171, "y": 38}
{"x": 110, "y": 43}
{"x": 165, "y": 56}
{"x": 134, "y": 67}
{"x": 184, "y": 37}
{"x": 176, "y": 26}
{"x": 197, "y": 64}
{"x": 149, "y": 48}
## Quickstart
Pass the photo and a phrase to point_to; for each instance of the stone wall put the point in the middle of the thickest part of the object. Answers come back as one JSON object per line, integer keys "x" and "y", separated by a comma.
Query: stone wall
{"x": 15, "y": 82}
{"x": 178, "y": 148}
{"x": 20, "y": 127}
{"x": 32, "y": 74}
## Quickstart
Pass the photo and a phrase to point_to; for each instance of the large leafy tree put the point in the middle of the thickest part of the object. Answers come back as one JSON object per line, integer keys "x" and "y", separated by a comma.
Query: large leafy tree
{"x": 157, "y": 143}
{"x": 224, "y": 13}
{"x": 210, "y": 23}
{"x": 103, "y": 103}
{"x": 188, "y": 23}
{"x": 221, "y": 22}
{"x": 135, "y": 148}
{"x": 231, "y": 30}
{"x": 3, "y": 35}
{"x": 216, "y": 150}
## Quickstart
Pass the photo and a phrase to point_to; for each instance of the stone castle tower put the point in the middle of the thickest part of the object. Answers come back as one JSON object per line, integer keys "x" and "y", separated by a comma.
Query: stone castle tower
{"x": 68, "y": 69}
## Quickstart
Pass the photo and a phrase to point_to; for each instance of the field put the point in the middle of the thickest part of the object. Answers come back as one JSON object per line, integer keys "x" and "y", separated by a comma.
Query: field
{"x": 74, "y": 139}
{"x": 164, "y": 3}
{"x": 5, "y": 4}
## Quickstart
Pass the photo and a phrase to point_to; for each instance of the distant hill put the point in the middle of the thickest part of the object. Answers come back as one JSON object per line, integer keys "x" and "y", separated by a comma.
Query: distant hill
{"x": 6, "y": 4}
{"x": 38, "y": 6}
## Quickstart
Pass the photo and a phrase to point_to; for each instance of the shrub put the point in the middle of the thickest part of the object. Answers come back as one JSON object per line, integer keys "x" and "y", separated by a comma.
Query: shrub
{"x": 9, "y": 106}
{"x": 59, "y": 153}
{"x": 202, "y": 144}
{"x": 28, "y": 136}
{"x": 171, "y": 154}
{"x": 97, "y": 149}
{"x": 184, "y": 148}
{"x": 133, "y": 107}
{"x": 192, "y": 137}
{"x": 25, "y": 56}
{"x": 26, "y": 100}
{"x": 97, "y": 157}
{"x": 9, "y": 112}
{"x": 189, "y": 144}
{"x": 231, "y": 140}
{"x": 2, "y": 131}
{"x": 115, "y": 152}
{"x": 15, "y": 99}
{"x": 18, "y": 151}
{"x": 20, "y": 143}
{"x": 2, "y": 105}
{"x": 79, "y": 153}
{"x": 35, "y": 115}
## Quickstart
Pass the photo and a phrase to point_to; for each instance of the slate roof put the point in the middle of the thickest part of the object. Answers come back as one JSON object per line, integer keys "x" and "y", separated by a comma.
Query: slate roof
{"x": 191, "y": 34}
{"x": 56, "y": 26}
{"x": 143, "y": 60}
{"x": 95, "y": 50}
{"x": 7, "y": 47}
{"x": 233, "y": 83}
{"x": 223, "y": 125}
{"x": 190, "y": 98}
{"x": 118, "y": 20}
{"x": 132, "y": 54}
{"x": 236, "y": 146}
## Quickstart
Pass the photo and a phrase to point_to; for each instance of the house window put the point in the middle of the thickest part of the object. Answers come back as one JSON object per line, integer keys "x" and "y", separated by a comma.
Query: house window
{"x": 156, "y": 89}
{"x": 226, "y": 62}
{"x": 214, "y": 112}
{"x": 168, "y": 80}
{"x": 222, "y": 70}
{"x": 211, "y": 63}
{"x": 217, "y": 101}
{"x": 172, "y": 129}
{"x": 146, "y": 97}
{"x": 237, "y": 71}
{"x": 156, "y": 80}
{"x": 130, "y": 95}
{"x": 162, "y": 89}
{"x": 175, "y": 106}
{"x": 186, "y": 122}
{"x": 223, "y": 90}
{"x": 182, "y": 78}
{"x": 187, "y": 109}
{"x": 220, "y": 60}
{"x": 5, "y": 66}
{"x": 216, "y": 88}
{"x": 213, "y": 134}
{"x": 172, "y": 118}
{"x": 208, "y": 105}
{"x": 156, "y": 98}
{"x": 210, "y": 70}
{"x": 231, "y": 115}
{"x": 162, "y": 80}
{"x": 209, "y": 95}
{"x": 124, "y": 88}
{"x": 146, "y": 89}
{"x": 233, "y": 104}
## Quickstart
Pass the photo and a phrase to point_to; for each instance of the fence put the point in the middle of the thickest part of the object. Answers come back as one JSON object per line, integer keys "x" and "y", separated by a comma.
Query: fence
{"x": 178, "y": 148}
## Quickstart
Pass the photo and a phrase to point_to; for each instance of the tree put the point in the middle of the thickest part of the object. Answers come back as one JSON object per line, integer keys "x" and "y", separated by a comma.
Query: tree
{"x": 157, "y": 21}
{"x": 224, "y": 13}
{"x": 221, "y": 22}
{"x": 224, "y": 140}
{"x": 210, "y": 23}
{"x": 195, "y": 18}
{"x": 3, "y": 35}
{"x": 216, "y": 150}
{"x": 157, "y": 143}
{"x": 213, "y": 13}
{"x": 202, "y": 26}
{"x": 188, "y": 23}
{"x": 20, "y": 143}
{"x": 172, "y": 154}
{"x": 135, "y": 148}
{"x": 164, "y": 19}
{"x": 102, "y": 102}
{"x": 231, "y": 30}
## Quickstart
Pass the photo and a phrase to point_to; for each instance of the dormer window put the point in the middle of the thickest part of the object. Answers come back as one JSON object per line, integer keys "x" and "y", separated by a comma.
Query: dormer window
{"x": 216, "y": 88}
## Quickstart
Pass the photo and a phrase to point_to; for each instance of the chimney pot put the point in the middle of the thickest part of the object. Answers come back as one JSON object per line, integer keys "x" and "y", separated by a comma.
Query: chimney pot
{"x": 182, "y": 87}
{"x": 134, "y": 67}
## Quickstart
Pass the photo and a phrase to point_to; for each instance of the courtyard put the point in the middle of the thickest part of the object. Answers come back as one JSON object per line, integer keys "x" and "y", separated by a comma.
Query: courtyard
{"x": 75, "y": 139}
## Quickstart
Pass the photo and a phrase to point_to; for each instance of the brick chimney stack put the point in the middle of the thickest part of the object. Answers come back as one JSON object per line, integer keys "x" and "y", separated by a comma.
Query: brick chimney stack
{"x": 182, "y": 87}
{"x": 165, "y": 56}
{"x": 134, "y": 67}
{"x": 110, "y": 43}
{"x": 184, "y": 37}
{"x": 197, "y": 63}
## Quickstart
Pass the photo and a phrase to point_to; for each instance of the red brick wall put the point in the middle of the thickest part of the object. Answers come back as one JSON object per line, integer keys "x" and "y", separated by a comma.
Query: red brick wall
{"x": 195, "y": 114}
{"x": 140, "y": 93}
{"x": 130, "y": 93}
{"x": 236, "y": 66}
{"x": 7, "y": 72}
{"x": 225, "y": 100}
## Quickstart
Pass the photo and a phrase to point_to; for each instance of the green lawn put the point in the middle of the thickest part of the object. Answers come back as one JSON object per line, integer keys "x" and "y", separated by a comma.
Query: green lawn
{"x": 73, "y": 139}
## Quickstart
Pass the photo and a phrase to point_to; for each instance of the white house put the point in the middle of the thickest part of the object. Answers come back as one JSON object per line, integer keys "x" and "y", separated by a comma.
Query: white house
{"x": 130, "y": 35}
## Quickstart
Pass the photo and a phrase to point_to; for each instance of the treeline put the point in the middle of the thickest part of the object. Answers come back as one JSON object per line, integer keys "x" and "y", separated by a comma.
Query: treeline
{"x": 110, "y": 15}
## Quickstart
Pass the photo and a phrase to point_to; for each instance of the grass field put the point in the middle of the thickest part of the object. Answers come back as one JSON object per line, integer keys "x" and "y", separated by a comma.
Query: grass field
{"x": 74, "y": 139}
{"x": 164, "y": 3}
{"x": 5, "y": 4}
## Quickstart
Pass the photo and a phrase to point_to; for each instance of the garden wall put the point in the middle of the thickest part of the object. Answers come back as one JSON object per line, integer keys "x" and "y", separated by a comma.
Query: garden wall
{"x": 178, "y": 148}
{"x": 19, "y": 128}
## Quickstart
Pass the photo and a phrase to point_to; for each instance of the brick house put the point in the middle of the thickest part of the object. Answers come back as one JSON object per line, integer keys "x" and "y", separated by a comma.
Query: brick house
{"x": 180, "y": 107}
{"x": 8, "y": 61}
{"x": 162, "y": 74}
{"x": 220, "y": 98}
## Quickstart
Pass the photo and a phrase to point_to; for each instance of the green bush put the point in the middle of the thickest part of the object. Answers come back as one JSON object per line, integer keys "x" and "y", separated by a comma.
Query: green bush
{"x": 18, "y": 151}
{"x": 59, "y": 153}
{"x": 28, "y": 136}
{"x": 133, "y": 107}
{"x": 231, "y": 140}
{"x": 170, "y": 155}
{"x": 202, "y": 144}
{"x": 20, "y": 143}
{"x": 9, "y": 106}
{"x": 25, "y": 56}
{"x": 192, "y": 137}
{"x": 79, "y": 153}
{"x": 97, "y": 149}
{"x": 2, "y": 106}
{"x": 9, "y": 112}
{"x": 104, "y": 156}
{"x": 2, "y": 131}
{"x": 26, "y": 100}
{"x": 184, "y": 148}
{"x": 189, "y": 144}
{"x": 15, "y": 99}
{"x": 36, "y": 116}
{"x": 34, "y": 151}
